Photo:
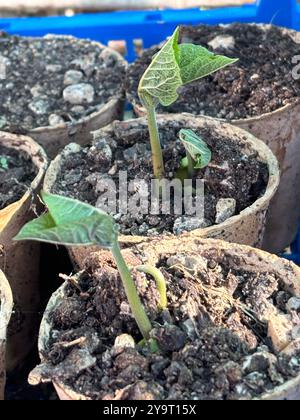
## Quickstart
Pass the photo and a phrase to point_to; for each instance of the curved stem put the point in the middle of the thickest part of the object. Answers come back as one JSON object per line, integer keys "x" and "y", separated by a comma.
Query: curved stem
{"x": 160, "y": 282}
{"x": 134, "y": 300}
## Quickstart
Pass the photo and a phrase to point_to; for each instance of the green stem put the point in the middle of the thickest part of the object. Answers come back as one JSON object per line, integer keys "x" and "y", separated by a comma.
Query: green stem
{"x": 191, "y": 169}
{"x": 157, "y": 156}
{"x": 160, "y": 282}
{"x": 134, "y": 300}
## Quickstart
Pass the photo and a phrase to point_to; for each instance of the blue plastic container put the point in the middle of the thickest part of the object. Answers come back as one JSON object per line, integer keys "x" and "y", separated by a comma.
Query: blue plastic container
{"x": 151, "y": 26}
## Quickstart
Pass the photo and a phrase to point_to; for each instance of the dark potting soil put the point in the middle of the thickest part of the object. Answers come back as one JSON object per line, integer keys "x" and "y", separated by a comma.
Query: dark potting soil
{"x": 16, "y": 174}
{"x": 260, "y": 82}
{"x": 213, "y": 341}
{"x": 231, "y": 174}
{"x": 54, "y": 80}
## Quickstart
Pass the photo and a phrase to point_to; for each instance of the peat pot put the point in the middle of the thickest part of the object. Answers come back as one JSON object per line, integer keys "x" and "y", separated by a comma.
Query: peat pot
{"x": 257, "y": 95}
{"x": 70, "y": 87}
{"x": 236, "y": 327}
{"x": 236, "y": 154}
{"x": 23, "y": 166}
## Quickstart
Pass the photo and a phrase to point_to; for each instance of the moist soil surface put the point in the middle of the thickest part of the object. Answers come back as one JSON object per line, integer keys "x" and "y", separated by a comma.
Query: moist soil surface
{"x": 260, "y": 82}
{"x": 16, "y": 174}
{"x": 54, "y": 80}
{"x": 231, "y": 174}
{"x": 213, "y": 341}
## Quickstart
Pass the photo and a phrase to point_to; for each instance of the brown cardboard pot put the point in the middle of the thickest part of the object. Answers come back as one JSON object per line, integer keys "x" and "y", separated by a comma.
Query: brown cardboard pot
{"x": 280, "y": 130}
{"x": 237, "y": 256}
{"x": 20, "y": 260}
{"x": 246, "y": 228}
{"x": 6, "y": 306}
{"x": 54, "y": 139}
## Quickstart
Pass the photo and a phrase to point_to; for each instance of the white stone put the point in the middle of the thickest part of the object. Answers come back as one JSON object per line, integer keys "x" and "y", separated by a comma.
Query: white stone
{"x": 254, "y": 76}
{"x": 55, "y": 120}
{"x": 72, "y": 148}
{"x": 36, "y": 91}
{"x": 188, "y": 223}
{"x": 293, "y": 304}
{"x": 222, "y": 41}
{"x": 53, "y": 68}
{"x": 79, "y": 94}
{"x": 124, "y": 341}
{"x": 72, "y": 77}
{"x": 225, "y": 209}
{"x": 39, "y": 106}
{"x": 78, "y": 109}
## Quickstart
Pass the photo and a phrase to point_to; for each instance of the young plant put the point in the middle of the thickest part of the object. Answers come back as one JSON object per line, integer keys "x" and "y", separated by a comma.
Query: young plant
{"x": 198, "y": 154}
{"x": 73, "y": 223}
{"x": 173, "y": 66}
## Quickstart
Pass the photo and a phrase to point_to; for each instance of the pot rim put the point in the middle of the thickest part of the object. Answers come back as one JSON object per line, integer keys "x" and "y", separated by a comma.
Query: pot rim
{"x": 158, "y": 247}
{"x": 295, "y": 35}
{"x": 264, "y": 153}
{"x": 37, "y": 156}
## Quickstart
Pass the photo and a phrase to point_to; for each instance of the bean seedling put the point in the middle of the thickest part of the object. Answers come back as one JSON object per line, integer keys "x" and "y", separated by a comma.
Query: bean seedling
{"x": 172, "y": 67}
{"x": 73, "y": 223}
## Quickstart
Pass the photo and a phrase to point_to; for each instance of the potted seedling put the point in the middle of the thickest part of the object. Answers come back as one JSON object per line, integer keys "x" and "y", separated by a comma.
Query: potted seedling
{"x": 22, "y": 168}
{"x": 198, "y": 319}
{"x": 6, "y": 306}
{"x": 239, "y": 173}
{"x": 70, "y": 87}
{"x": 259, "y": 93}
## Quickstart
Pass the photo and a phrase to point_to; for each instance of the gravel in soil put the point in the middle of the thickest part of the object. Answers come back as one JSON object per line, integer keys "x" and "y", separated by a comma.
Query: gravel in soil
{"x": 237, "y": 179}
{"x": 213, "y": 338}
{"x": 260, "y": 82}
{"x": 16, "y": 174}
{"x": 54, "y": 80}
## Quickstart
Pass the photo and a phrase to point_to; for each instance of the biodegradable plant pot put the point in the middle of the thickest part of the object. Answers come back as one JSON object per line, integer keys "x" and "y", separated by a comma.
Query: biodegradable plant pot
{"x": 18, "y": 260}
{"x": 247, "y": 227}
{"x": 217, "y": 289}
{"x": 6, "y": 306}
{"x": 72, "y": 87}
{"x": 270, "y": 117}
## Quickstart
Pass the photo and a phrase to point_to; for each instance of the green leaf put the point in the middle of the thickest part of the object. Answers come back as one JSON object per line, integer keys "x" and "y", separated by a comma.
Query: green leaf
{"x": 196, "y": 62}
{"x": 70, "y": 222}
{"x": 196, "y": 148}
{"x": 162, "y": 78}
{"x": 174, "y": 66}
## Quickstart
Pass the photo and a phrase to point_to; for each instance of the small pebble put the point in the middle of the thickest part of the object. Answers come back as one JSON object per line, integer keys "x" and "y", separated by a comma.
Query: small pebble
{"x": 188, "y": 223}
{"x": 293, "y": 304}
{"x": 39, "y": 106}
{"x": 72, "y": 77}
{"x": 225, "y": 209}
{"x": 122, "y": 342}
{"x": 55, "y": 120}
{"x": 53, "y": 68}
{"x": 79, "y": 94}
{"x": 222, "y": 41}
